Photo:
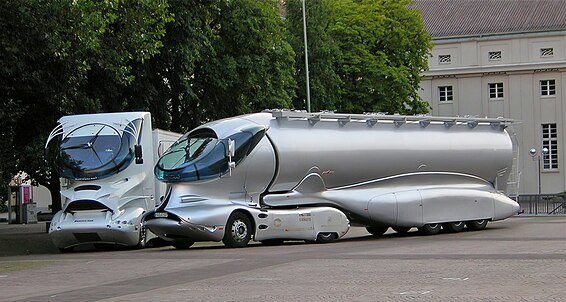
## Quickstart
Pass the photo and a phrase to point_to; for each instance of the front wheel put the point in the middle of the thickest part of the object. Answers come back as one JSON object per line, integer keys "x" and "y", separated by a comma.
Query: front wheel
{"x": 142, "y": 237}
{"x": 238, "y": 230}
{"x": 477, "y": 225}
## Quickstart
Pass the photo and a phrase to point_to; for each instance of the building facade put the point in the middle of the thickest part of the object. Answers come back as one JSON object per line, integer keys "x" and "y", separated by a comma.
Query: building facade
{"x": 504, "y": 59}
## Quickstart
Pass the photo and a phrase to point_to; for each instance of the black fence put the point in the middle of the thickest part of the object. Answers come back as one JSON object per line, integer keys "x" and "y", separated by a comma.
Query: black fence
{"x": 551, "y": 204}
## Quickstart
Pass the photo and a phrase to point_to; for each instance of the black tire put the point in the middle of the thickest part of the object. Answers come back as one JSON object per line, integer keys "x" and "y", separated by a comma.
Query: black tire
{"x": 65, "y": 250}
{"x": 142, "y": 236}
{"x": 238, "y": 231}
{"x": 401, "y": 230}
{"x": 377, "y": 230}
{"x": 430, "y": 229}
{"x": 453, "y": 227}
{"x": 326, "y": 237}
{"x": 476, "y": 225}
{"x": 182, "y": 244}
{"x": 272, "y": 242}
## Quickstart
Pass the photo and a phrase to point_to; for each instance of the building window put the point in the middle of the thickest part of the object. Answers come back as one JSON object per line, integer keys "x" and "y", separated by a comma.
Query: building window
{"x": 547, "y": 87}
{"x": 495, "y": 91}
{"x": 546, "y": 52}
{"x": 444, "y": 59}
{"x": 495, "y": 55}
{"x": 445, "y": 94}
{"x": 550, "y": 142}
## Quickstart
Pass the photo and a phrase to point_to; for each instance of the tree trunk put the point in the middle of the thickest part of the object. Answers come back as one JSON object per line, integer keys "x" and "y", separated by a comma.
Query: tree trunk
{"x": 55, "y": 190}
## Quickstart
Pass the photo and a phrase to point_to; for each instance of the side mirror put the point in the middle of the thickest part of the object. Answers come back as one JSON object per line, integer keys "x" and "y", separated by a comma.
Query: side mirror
{"x": 138, "y": 154}
{"x": 231, "y": 152}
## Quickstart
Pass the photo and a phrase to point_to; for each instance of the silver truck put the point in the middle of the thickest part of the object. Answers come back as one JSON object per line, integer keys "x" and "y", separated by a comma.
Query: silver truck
{"x": 284, "y": 175}
{"x": 106, "y": 162}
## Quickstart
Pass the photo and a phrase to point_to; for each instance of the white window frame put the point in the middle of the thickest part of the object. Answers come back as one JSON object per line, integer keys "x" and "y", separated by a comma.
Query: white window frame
{"x": 550, "y": 141}
{"x": 548, "y": 88}
{"x": 445, "y": 94}
{"x": 495, "y": 91}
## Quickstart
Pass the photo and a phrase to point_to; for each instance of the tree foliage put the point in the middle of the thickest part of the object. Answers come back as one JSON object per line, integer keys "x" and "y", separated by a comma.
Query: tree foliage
{"x": 325, "y": 84}
{"x": 61, "y": 57}
{"x": 378, "y": 50}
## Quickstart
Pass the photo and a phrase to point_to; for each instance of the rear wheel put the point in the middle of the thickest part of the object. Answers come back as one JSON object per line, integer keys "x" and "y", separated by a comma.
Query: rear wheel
{"x": 476, "y": 225}
{"x": 238, "y": 230}
{"x": 182, "y": 244}
{"x": 453, "y": 227}
{"x": 430, "y": 229}
{"x": 326, "y": 237}
{"x": 401, "y": 230}
{"x": 377, "y": 230}
{"x": 66, "y": 249}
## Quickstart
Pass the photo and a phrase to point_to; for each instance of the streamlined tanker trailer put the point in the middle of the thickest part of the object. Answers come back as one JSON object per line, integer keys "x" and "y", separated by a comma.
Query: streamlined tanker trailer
{"x": 106, "y": 165}
{"x": 284, "y": 175}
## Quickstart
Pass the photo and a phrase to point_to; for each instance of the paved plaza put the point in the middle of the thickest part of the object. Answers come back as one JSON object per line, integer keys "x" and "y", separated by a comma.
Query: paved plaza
{"x": 519, "y": 259}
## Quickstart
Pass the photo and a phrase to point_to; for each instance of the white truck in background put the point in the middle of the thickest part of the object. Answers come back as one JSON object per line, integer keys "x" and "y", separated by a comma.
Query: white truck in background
{"x": 106, "y": 164}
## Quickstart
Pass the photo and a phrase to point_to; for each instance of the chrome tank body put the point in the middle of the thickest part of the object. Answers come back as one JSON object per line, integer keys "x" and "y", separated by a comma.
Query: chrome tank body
{"x": 355, "y": 151}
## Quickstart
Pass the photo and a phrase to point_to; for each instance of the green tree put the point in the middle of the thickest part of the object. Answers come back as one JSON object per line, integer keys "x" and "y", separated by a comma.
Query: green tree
{"x": 251, "y": 67}
{"x": 383, "y": 51}
{"x": 56, "y": 57}
{"x": 324, "y": 83}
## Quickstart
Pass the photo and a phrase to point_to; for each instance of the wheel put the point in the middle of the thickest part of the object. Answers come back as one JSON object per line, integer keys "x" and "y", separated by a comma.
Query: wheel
{"x": 430, "y": 229}
{"x": 141, "y": 240}
{"x": 272, "y": 242}
{"x": 238, "y": 230}
{"x": 377, "y": 230}
{"x": 453, "y": 227}
{"x": 401, "y": 230}
{"x": 182, "y": 244}
{"x": 66, "y": 249}
{"x": 476, "y": 225}
{"x": 326, "y": 237}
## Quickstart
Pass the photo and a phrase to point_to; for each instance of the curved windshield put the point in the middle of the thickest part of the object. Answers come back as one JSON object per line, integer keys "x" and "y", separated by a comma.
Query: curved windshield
{"x": 200, "y": 155}
{"x": 94, "y": 151}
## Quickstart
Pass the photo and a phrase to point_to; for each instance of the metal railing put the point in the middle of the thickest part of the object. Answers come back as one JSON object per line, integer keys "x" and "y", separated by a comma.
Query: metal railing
{"x": 543, "y": 204}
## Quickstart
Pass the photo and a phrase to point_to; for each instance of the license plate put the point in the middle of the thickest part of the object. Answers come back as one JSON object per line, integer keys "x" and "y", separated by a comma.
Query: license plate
{"x": 161, "y": 215}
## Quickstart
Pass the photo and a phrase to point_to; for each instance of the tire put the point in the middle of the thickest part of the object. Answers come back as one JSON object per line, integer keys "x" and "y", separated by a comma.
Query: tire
{"x": 238, "y": 231}
{"x": 141, "y": 240}
{"x": 182, "y": 244}
{"x": 453, "y": 227}
{"x": 430, "y": 229}
{"x": 326, "y": 237}
{"x": 401, "y": 230}
{"x": 377, "y": 230}
{"x": 476, "y": 225}
{"x": 65, "y": 250}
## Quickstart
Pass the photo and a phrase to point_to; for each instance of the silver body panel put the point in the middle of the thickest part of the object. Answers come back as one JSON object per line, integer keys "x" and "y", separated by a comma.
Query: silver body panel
{"x": 126, "y": 195}
{"x": 376, "y": 170}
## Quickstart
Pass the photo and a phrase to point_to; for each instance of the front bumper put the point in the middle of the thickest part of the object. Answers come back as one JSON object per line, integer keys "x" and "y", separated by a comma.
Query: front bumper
{"x": 172, "y": 229}
{"x": 70, "y": 233}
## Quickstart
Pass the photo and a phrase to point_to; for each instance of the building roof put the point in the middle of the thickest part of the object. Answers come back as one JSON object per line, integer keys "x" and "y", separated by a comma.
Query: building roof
{"x": 461, "y": 18}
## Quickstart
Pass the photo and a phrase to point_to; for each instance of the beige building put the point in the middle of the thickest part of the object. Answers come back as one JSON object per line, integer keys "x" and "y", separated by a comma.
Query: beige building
{"x": 504, "y": 58}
